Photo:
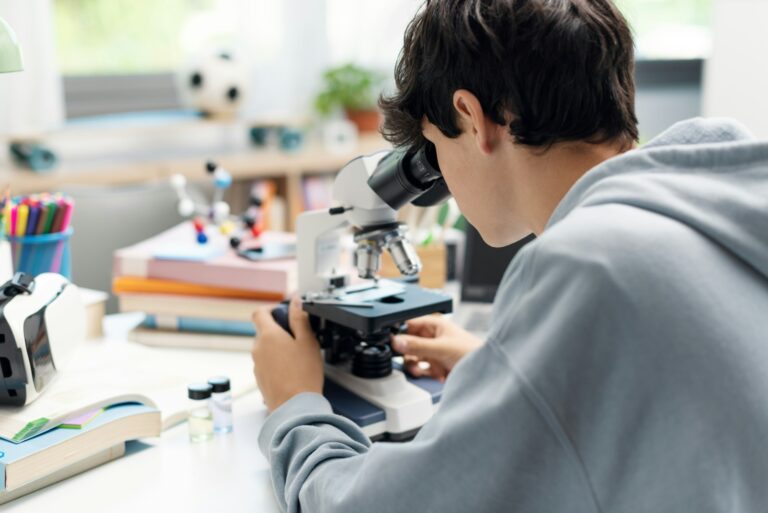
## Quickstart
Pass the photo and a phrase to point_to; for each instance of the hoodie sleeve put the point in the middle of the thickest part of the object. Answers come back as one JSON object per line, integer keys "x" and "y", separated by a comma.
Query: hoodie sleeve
{"x": 489, "y": 452}
{"x": 493, "y": 445}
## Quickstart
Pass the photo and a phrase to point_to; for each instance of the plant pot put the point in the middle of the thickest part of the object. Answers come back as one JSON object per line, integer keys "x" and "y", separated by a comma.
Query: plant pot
{"x": 365, "y": 120}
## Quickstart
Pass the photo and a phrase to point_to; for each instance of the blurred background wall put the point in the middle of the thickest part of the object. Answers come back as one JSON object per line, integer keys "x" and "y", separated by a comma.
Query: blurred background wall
{"x": 735, "y": 78}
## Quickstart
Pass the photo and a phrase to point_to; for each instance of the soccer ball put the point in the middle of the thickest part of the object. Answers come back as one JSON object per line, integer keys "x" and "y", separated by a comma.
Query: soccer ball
{"x": 214, "y": 84}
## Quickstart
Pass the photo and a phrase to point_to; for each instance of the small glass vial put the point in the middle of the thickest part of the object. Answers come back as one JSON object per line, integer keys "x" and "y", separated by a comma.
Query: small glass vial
{"x": 221, "y": 404}
{"x": 200, "y": 419}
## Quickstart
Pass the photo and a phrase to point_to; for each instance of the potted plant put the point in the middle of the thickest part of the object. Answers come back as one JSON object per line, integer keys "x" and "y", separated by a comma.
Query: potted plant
{"x": 354, "y": 89}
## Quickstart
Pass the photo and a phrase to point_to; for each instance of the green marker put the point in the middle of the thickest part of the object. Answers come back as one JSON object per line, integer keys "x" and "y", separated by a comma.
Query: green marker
{"x": 52, "y": 207}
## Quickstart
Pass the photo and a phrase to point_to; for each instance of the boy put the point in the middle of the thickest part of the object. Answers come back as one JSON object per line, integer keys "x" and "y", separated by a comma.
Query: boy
{"x": 626, "y": 367}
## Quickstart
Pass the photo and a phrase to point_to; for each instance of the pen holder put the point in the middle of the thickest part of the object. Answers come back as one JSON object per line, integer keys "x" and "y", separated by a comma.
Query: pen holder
{"x": 37, "y": 254}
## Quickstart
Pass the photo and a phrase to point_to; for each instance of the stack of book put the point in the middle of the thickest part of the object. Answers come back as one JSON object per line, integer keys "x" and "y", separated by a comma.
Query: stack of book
{"x": 199, "y": 295}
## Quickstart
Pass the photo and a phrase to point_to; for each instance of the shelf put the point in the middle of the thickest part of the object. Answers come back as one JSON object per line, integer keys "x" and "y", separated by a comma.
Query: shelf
{"x": 243, "y": 165}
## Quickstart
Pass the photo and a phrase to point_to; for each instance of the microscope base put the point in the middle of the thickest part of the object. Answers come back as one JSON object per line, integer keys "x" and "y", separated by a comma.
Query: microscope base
{"x": 392, "y": 408}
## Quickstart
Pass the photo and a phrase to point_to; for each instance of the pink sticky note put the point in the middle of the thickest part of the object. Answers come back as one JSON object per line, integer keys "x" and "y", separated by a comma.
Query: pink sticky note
{"x": 80, "y": 421}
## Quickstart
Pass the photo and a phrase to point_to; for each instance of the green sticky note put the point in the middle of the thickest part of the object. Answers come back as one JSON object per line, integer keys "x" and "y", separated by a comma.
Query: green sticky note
{"x": 31, "y": 429}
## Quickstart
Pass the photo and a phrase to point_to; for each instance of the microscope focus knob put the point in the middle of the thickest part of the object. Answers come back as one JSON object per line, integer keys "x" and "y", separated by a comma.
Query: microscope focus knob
{"x": 280, "y": 315}
{"x": 372, "y": 361}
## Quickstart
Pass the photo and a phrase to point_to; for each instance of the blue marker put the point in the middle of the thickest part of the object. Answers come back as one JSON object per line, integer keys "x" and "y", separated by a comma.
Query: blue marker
{"x": 34, "y": 215}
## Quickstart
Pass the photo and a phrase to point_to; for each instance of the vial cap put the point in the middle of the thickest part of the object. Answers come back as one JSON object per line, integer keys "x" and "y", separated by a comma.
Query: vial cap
{"x": 199, "y": 391}
{"x": 219, "y": 384}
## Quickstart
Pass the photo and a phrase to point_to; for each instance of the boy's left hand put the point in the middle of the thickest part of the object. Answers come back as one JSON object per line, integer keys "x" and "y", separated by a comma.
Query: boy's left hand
{"x": 285, "y": 366}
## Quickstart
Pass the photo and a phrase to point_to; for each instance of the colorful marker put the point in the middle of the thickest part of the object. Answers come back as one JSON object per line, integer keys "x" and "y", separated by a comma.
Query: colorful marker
{"x": 21, "y": 219}
{"x": 34, "y": 216}
{"x": 52, "y": 208}
{"x": 58, "y": 218}
{"x": 7, "y": 215}
{"x": 14, "y": 217}
{"x": 41, "y": 221}
{"x": 69, "y": 206}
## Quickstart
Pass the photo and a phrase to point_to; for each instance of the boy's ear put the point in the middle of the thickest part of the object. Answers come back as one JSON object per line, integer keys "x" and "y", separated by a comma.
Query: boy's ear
{"x": 473, "y": 119}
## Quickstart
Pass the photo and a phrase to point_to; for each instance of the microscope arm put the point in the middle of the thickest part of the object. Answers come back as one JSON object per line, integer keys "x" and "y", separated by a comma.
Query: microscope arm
{"x": 318, "y": 248}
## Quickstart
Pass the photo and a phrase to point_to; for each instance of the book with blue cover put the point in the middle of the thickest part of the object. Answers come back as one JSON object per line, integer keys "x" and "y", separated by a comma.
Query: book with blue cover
{"x": 199, "y": 325}
{"x": 87, "y": 463}
{"x": 59, "y": 448}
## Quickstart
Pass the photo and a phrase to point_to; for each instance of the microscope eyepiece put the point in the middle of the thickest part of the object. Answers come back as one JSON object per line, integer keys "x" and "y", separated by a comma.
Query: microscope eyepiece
{"x": 408, "y": 176}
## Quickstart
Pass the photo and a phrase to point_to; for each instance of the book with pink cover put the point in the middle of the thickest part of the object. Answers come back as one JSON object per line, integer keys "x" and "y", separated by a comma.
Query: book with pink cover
{"x": 153, "y": 258}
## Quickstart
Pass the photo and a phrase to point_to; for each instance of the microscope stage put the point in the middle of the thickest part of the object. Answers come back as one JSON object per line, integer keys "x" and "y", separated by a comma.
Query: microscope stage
{"x": 413, "y": 301}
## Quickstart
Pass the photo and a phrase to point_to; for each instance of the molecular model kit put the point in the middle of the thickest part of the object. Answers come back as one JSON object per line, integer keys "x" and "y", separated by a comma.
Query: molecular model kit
{"x": 217, "y": 213}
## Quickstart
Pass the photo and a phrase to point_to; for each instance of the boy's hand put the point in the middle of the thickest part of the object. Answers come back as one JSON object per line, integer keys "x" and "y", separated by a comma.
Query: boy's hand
{"x": 285, "y": 366}
{"x": 433, "y": 346}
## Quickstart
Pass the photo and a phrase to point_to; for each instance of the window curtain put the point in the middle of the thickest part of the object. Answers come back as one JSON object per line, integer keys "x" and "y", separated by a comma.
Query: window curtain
{"x": 31, "y": 102}
{"x": 290, "y": 43}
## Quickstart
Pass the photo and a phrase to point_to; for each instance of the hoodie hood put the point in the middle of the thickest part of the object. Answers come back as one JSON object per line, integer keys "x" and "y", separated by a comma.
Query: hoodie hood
{"x": 709, "y": 174}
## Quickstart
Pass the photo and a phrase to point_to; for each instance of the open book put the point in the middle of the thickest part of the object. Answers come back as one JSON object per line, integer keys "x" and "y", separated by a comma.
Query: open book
{"x": 100, "y": 374}
{"x": 55, "y": 451}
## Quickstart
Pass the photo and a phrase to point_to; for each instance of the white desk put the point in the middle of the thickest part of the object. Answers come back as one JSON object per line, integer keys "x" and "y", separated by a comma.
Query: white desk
{"x": 169, "y": 475}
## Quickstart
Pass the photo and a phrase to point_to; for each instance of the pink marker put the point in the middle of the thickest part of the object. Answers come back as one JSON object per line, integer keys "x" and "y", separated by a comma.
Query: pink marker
{"x": 14, "y": 218}
{"x": 69, "y": 205}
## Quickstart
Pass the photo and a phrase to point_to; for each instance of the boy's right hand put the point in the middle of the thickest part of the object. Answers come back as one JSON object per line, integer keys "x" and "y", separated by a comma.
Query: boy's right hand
{"x": 433, "y": 346}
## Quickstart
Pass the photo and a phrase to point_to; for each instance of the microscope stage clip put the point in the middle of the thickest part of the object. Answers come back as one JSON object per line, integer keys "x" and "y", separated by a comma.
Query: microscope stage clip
{"x": 337, "y": 302}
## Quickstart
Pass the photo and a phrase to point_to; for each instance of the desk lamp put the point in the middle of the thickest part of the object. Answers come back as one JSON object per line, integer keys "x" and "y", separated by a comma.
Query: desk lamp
{"x": 10, "y": 51}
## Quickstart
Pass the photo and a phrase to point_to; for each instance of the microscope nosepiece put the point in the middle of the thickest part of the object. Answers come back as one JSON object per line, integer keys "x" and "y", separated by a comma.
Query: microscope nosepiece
{"x": 370, "y": 244}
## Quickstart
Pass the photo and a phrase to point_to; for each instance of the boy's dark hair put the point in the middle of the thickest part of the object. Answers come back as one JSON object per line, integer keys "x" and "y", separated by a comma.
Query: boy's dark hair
{"x": 552, "y": 70}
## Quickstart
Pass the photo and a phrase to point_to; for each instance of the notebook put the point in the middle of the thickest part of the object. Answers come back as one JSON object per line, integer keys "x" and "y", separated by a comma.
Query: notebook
{"x": 199, "y": 325}
{"x": 133, "y": 284}
{"x": 190, "y": 340}
{"x": 226, "y": 270}
{"x": 226, "y": 309}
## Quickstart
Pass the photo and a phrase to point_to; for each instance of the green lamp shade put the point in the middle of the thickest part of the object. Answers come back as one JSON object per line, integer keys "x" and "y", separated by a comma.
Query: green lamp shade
{"x": 10, "y": 52}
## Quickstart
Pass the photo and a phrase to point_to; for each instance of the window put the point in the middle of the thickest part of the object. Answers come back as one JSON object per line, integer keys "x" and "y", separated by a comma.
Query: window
{"x": 375, "y": 44}
{"x": 121, "y": 55}
{"x": 105, "y": 37}
{"x": 670, "y": 29}
{"x": 108, "y": 50}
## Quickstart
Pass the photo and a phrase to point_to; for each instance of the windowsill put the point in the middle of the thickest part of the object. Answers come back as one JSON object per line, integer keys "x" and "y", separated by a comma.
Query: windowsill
{"x": 143, "y": 119}
{"x": 101, "y": 151}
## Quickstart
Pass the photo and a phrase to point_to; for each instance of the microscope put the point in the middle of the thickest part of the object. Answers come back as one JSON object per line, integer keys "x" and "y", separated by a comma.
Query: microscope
{"x": 354, "y": 322}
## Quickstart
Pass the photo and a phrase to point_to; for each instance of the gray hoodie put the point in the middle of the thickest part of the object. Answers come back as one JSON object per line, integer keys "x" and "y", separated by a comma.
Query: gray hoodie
{"x": 627, "y": 369}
